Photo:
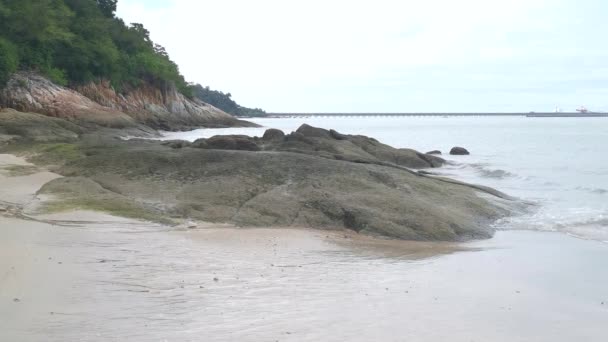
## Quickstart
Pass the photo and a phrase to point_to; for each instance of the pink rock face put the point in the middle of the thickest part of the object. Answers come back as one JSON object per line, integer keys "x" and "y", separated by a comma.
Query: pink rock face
{"x": 162, "y": 108}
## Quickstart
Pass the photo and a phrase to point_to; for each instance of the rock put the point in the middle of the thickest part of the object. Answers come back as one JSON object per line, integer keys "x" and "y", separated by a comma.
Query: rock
{"x": 176, "y": 143}
{"x": 459, "y": 151}
{"x": 273, "y": 134}
{"x": 355, "y": 148}
{"x": 227, "y": 142}
{"x": 434, "y": 152}
{"x": 36, "y": 127}
{"x": 338, "y": 136}
{"x": 312, "y": 178}
{"x": 158, "y": 107}
{"x": 284, "y": 188}
{"x": 315, "y": 132}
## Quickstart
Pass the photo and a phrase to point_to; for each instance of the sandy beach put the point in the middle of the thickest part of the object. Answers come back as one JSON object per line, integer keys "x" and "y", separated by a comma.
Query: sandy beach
{"x": 92, "y": 277}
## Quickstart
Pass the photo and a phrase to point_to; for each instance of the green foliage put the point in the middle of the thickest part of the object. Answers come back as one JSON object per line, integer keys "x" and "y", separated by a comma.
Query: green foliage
{"x": 9, "y": 60}
{"x": 79, "y": 41}
{"x": 108, "y": 7}
{"x": 224, "y": 102}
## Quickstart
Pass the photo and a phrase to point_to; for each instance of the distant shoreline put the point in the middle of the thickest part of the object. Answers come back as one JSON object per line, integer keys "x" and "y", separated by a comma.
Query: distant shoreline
{"x": 529, "y": 114}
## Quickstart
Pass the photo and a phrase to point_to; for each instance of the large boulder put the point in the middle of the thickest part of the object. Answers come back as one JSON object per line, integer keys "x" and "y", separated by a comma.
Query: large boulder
{"x": 176, "y": 143}
{"x": 227, "y": 142}
{"x": 273, "y": 134}
{"x": 459, "y": 151}
{"x": 356, "y": 148}
{"x": 314, "y": 132}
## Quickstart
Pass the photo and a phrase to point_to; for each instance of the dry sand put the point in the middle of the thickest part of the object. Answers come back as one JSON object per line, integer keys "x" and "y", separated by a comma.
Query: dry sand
{"x": 92, "y": 277}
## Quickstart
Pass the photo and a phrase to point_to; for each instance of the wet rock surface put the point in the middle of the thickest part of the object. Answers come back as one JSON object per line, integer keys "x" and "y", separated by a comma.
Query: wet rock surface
{"x": 459, "y": 151}
{"x": 309, "y": 178}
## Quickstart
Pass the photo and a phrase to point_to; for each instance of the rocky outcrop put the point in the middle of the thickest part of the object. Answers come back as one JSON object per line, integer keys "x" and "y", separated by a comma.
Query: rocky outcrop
{"x": 177, "y": 143}
{"x": 273, "y": 134}
{"x": 278, "y": 188}
{"x": 435, "y": 152}
{"x": 459, "y": 151}
{"x": 158, "y": 107}
{"x": 36, "y": 127}
{"x": 324, "y": 143}
{"x": 227, "y": 142}
{"x": 310, "y": 178}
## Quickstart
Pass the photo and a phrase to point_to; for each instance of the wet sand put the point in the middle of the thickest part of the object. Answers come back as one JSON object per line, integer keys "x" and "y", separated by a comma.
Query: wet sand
{"x": 92, "y": 277}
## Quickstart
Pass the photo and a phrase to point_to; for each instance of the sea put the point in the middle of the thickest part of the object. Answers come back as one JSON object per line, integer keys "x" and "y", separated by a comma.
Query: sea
{"x": 542, "y": 277}
{"x": 559, "y": 165}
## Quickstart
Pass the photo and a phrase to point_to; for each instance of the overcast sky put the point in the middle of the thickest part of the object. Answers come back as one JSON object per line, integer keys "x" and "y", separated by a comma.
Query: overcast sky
{"x": 390, "y": 56}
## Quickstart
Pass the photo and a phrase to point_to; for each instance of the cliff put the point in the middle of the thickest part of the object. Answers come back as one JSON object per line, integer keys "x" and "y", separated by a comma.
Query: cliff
{"x": 98, "y": 103}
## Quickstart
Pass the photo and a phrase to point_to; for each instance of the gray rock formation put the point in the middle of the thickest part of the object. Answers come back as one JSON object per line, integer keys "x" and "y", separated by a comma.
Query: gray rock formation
{"x": 310, "y": 178}
{"x": 227, "y": 142}
{"x": 459, "y": 151}
{"x": 273, "y": 134}
{"x": 324, "y": 143}
{"x": 355, "y": 148}
{"x": 99, "y": 104}
{"x": 277, "y": 188}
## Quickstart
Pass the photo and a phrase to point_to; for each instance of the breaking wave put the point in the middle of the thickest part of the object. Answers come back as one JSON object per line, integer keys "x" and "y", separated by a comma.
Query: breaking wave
{"x": 597, "y": 191}
{"x": 585, "y": 225}
{"x": 486, "y": 172}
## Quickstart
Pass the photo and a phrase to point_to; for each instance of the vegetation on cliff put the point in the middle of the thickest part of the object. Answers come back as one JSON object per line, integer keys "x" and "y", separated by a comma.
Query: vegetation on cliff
{"x": 75, "y": 42}
{"x": 224, "y": 102}
{"x": 79, "y": 41}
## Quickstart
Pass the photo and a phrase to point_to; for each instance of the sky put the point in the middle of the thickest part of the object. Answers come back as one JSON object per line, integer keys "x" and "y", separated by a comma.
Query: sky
{"x": 386, "y": 55}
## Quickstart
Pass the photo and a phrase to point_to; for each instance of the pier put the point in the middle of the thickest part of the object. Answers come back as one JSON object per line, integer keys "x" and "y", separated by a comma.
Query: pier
{"x": 529, "y": 114}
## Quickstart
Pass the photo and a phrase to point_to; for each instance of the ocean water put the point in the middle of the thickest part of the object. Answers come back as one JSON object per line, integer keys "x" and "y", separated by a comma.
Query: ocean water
{"x": 559, "y": 164}
{"x": 112, "y": 279}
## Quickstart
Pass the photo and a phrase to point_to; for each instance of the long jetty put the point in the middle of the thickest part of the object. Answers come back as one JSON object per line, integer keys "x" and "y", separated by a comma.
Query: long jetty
{"x": 529, "y": 114}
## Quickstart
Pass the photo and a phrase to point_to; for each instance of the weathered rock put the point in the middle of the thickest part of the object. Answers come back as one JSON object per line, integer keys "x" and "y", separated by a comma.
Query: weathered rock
{"x": 273, "y": 134}
{"x": 227, "y": 142}
{"x": 158, "y": 107}
{"x": 338, "y": 136}
{"x": 459, "y": 151}
{"x": 176, "y": 143}
{"x": 251, "y": 188}
{"x": 355, "y": 148}
{"x": 437, "y": 152}
{"x": 36, "y": 127}
{"x": 314, "y": 132}
{"x": 308, "y": 179}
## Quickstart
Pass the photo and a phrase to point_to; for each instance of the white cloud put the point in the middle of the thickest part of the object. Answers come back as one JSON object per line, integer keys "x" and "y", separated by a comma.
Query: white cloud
{"x": 360, "y": 55}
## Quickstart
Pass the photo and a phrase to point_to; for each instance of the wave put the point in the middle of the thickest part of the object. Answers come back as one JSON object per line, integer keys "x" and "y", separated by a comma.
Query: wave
{"x": 500, "y": 174}
{"x": 585, "y": 225}
{"x": 597, "y": 191}
{"x": 487, "y": 172}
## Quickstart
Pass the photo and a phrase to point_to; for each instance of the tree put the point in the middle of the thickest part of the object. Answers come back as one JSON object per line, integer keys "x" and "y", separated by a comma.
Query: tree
{"x": 224, "y": 101}
{"x": 107, "y": 7}
{"x": 8, "y": 60}
{"x": 74, "y": 42}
